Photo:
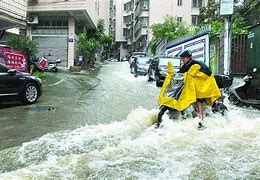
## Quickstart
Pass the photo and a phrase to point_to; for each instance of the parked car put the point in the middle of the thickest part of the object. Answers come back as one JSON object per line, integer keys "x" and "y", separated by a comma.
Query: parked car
{"x": 136, "y": 54}
{"x": 125, "y": 58}
{"x": 158, "y": 69}
{"x": 140, "y": 66}
{"x": 17, "y": 85}
{"x": 13, "y": 59}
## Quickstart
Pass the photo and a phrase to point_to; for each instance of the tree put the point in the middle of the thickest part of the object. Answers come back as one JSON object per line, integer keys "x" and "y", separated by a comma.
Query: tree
{"x": 87, "y": 47}
{"x": 249, "y": 10}
{"x": 90, "y": 41}
{"x": 170, "y": 29}
{"x": 153, "y": 46}
{"x": 210, "y": 16}
{"x": 210, "y": 12}
{"x": 24, "y": 44}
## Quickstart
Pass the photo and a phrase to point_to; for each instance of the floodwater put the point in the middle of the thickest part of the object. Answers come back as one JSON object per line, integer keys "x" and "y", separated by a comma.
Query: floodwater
{"x": 125, "y": 145}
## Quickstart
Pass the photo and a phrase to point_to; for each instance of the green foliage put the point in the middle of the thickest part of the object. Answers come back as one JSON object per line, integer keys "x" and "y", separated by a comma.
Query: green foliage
{"x": 87, "y": 47}
{"x": 26, "y": 45}
{"x": 153, "y": 46}
{"x": 240, "y": 26}
{"x": 39, "y": 74}
{"x": 90, "y": 41}
{"x": 209, "y": 16}
{"x": 170, "y": 29}
{"x": 210, "y": 12}
{"x": 249, "y": 10}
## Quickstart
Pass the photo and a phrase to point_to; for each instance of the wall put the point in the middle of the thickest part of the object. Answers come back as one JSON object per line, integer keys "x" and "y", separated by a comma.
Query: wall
{"x": 104, "y": 13}
{"x": 119, "y": 20}
{"x": 90, "y": 7}
{"x": 12, "y": 13}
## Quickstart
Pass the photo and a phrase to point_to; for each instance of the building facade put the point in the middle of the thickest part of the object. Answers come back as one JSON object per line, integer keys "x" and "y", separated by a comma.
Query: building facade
{"x": 55, "y": 25}
{"x": 12, "y": 15}
{"x": 133, "y": 18}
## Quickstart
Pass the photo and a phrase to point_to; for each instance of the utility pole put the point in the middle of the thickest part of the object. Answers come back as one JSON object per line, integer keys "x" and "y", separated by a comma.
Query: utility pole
{"x": 226, "y": 10}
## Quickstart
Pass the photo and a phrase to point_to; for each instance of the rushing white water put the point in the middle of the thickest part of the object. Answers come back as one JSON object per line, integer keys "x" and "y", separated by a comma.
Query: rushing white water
{"x": 229, "y": 148}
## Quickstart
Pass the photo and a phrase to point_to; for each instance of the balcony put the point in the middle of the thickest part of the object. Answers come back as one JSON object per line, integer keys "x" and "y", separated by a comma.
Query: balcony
{"x": 12, "y": 13}
{"x": 85, "y": 11}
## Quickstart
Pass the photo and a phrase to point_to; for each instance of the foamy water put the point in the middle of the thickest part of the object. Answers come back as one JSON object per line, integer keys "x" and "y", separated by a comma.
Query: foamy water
{"x": 229, "y": 148}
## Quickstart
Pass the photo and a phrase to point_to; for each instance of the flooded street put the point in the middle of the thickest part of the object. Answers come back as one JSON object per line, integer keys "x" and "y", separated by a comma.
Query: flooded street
{"x": 100, "y": 126}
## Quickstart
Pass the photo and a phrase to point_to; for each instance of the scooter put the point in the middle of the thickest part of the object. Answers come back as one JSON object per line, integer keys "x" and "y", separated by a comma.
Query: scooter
{"x": 223, "y": 82}
{"x": 248, "y": 92}
{"x": 52, "y": 66}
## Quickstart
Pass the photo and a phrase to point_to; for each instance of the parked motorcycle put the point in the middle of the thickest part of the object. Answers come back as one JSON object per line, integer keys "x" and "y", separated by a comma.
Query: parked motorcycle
{"x": 248, "y": 92}
{"x": 51, "y": 66}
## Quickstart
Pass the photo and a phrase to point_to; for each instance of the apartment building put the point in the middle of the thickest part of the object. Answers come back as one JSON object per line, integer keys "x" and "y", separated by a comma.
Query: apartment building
{"x": 116, "y": 25}
{"x": 133, "y": 18}
{"x": 55, "y": 24}
{"x": 12, "y": 15}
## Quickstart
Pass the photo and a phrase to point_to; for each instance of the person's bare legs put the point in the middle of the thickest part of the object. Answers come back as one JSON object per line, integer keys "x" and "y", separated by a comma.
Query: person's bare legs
{"x": 201, "y": 115}
{"x": 201, "y": 110}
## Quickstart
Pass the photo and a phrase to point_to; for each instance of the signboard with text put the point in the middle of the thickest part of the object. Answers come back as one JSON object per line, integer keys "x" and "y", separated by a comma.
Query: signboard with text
{"x": 226, "y": 7}
{"x": 198, "y": 46}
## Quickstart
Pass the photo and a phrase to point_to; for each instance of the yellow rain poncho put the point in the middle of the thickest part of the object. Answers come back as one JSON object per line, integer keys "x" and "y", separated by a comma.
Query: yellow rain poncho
{"x": 197, "y": 85}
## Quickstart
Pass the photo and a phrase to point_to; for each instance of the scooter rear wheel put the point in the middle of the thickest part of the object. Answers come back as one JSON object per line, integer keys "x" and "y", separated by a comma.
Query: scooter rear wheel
{"x": 233, "y": 99}
{"x": 54, "y": 69}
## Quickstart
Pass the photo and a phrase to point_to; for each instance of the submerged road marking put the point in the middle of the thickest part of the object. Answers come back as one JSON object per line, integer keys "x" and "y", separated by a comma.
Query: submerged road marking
{"x": 54, "y": 84}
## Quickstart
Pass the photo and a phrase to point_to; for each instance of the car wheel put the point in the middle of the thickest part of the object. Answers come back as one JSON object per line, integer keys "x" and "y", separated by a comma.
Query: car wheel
{"x": 158, "y": 83}
{"x": 149, "y": 77}
{"x": 135, "y": 73}
{"x": 30, "y": 94}
{"x": 132, "y": 70}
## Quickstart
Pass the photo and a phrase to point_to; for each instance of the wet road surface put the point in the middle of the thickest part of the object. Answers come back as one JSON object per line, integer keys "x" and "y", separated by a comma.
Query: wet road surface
{"x": 104, "y": 130}
{"x": 70, "y": 101}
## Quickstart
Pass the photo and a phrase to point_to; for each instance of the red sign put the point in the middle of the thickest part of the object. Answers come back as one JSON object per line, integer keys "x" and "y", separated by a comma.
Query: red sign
{"x": 14, "y": 59}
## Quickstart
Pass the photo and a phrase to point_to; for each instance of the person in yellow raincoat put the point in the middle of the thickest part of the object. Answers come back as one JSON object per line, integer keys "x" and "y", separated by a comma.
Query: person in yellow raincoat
{"x": 199, "y": 86}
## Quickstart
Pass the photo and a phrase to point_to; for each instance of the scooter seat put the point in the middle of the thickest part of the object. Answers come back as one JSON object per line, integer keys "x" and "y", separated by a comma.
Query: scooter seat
{"x": 223, "y": 81}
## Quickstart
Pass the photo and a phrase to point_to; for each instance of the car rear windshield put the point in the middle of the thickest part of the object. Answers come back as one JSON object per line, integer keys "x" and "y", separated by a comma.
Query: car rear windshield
{"x": 164, "y": 62}
{"x": 143, "y": 60}
{"x": 139, "y": 54}
{"x": 3, "y": 68}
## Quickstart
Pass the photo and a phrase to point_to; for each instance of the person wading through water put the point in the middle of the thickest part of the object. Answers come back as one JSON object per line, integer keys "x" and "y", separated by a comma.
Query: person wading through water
{"x": 199, "y": 87}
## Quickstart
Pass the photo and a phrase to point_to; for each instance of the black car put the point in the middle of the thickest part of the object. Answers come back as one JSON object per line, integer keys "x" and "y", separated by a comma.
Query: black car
{"x": 18, "y": 85}
{"x": 158, "y": 69}
{"x": 140, "y": 66}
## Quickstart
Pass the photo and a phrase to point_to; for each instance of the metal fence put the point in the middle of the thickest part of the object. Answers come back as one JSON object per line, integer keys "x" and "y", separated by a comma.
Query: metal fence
{"x": 239, "y": 55}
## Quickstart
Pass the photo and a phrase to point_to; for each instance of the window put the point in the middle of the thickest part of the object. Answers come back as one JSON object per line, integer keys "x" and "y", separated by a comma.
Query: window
{"x": 124, "y": 32}
{"x": 197, "y": 3}
{"x": 179, "y": 2}
{"x": 3, "y": 69}
{"x": 194, "y": 20}
{"x": 2, "y": 58}
{"x": 145, "y": 5}
{"x": 179, "y": 19}
{"x": 125, "y": 19}
{"x": 145, "y": 22}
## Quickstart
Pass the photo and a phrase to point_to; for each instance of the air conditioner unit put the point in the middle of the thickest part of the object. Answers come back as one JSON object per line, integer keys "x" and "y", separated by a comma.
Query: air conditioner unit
{"x": 33, "y": 20}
